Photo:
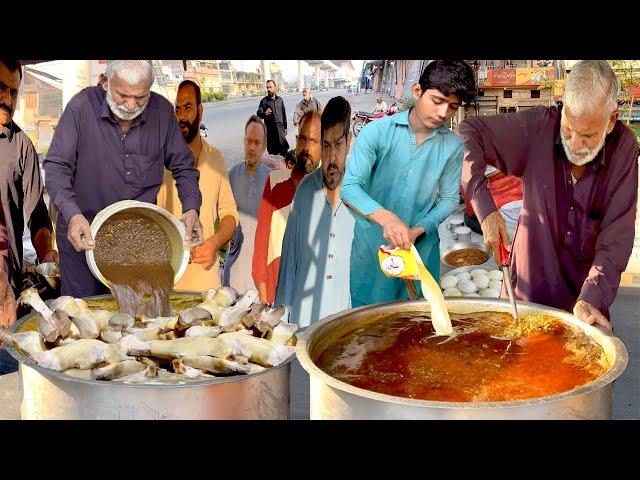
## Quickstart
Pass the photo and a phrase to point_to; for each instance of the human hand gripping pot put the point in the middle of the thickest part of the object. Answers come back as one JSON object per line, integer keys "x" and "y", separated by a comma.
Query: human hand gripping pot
{"x": 194, "y": 235}
{"x": 588, "y": 313}
{"x": 79, "y": 233}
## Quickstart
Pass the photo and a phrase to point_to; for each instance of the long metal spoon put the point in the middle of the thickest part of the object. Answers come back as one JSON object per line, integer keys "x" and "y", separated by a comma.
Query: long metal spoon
{"x": 506, "y": 274}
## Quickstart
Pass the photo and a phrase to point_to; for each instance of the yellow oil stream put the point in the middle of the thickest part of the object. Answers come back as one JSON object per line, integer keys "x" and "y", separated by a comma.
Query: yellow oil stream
{"x": 433, "y": 293}
{"x": 408, "y": 264}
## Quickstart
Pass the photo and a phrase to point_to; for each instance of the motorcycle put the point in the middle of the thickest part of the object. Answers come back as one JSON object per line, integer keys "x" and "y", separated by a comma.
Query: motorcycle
{"x": 360, "y": 118}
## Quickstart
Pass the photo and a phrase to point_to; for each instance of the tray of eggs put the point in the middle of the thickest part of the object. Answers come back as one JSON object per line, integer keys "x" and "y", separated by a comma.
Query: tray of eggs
{"x": 472, "y": 281}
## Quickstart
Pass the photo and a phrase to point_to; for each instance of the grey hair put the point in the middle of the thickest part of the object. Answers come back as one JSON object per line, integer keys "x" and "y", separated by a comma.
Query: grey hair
{"x": 132, "y": 72}
{"x": 591, "y": 84}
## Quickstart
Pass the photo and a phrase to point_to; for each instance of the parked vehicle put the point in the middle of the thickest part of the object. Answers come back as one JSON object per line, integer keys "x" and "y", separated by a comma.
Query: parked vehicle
{"x": 360, "y": 118}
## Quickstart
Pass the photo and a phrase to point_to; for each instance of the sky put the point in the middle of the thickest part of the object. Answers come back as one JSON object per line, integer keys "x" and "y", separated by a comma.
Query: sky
{"x": 289, "y": 67}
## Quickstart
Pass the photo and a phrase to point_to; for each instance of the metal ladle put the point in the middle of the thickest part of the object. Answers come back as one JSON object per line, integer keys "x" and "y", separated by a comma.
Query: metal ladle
{"x": 506, "y": 274}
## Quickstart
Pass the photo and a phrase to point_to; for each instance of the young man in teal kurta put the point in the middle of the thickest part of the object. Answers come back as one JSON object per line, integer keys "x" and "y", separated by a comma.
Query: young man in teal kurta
{"x": 403, "y": 179}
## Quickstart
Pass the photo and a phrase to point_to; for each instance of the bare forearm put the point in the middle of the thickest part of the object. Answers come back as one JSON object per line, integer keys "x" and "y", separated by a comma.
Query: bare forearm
{"x": 380, "y": 216}
{"x": 262, "y": 291}
{"x": 225, "y": 232}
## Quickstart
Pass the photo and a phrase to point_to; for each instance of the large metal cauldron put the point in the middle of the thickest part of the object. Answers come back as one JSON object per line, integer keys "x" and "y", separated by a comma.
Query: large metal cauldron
{"x": 333, "y": 399}
{"x": 47, "y": 394}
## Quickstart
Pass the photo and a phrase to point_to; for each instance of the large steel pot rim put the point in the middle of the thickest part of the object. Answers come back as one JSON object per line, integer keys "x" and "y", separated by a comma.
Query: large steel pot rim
{"x": 600, "y": 335}
{"x": 47, "y": 372}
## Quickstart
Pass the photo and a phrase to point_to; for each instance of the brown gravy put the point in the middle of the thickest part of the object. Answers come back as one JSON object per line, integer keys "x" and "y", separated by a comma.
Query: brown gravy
{"x": 465, "y": 257}
{"x": 134, "y": 254}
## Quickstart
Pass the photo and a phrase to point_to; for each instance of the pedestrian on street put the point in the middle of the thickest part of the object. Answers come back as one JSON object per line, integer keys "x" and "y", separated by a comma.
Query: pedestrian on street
{"x": 579, "y": 167}
{"x": 380, "y": 106}
{"x": 403, "y": 180}
{"x": 109, "y": 146}
{"x": 272, "y": 111}
{"x": 307, "y": 103}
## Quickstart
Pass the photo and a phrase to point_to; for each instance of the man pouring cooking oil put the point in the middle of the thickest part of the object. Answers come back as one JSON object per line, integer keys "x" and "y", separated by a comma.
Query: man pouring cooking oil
{"x": 579, "y": 167}
{"x": 113, "y": 145}
{"x": 403, "y": 178}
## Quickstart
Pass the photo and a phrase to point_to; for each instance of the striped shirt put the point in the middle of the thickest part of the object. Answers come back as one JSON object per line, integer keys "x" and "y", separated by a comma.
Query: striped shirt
{"x": 272, "y": 220}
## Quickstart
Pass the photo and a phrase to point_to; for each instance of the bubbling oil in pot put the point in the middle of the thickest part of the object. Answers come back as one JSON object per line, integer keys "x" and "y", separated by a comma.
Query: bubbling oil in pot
{"x": 134, "y": 254}
{"x": 487, "y": 360}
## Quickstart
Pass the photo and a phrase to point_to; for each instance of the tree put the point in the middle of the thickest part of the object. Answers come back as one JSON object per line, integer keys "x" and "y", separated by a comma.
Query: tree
{"x": 628, "y": 72}
{"x": 550, "y": 84}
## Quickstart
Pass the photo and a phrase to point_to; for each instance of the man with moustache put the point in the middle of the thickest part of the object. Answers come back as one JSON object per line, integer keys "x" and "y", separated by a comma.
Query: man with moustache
{"x": 313, "y": 281}
{"x": 276, "y": 204}
{"x": 403, "y": 180}
{"x": 272, "y": 111}
{"x": 203, "y": 271}
{"x": 247, "y": 180}
{"x": 21, "y": 185}
{"x": 579, "y": 168}
{"x": 113, "y": 145}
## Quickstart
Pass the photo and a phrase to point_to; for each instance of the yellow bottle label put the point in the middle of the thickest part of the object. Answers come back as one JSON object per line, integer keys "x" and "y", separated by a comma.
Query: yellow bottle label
{"x": 398, "y": 263}
{"x": 407, "y": 264}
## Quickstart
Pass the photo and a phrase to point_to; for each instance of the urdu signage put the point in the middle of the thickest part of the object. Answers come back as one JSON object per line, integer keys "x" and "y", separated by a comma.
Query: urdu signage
{"x": 512, "y": 77}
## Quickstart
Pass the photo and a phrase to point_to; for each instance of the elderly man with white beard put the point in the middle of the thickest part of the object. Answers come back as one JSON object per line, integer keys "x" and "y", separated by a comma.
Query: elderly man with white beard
{"x": 113, "y": 145}
{"x": 579, "y": 167}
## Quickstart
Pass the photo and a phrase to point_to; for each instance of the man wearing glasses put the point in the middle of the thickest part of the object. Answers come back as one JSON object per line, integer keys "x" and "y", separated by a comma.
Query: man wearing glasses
{"x": 313, "y": 281}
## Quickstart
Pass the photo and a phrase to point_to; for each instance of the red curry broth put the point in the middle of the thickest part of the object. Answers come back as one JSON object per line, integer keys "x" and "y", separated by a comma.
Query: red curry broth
{"x": 402, "y": 357}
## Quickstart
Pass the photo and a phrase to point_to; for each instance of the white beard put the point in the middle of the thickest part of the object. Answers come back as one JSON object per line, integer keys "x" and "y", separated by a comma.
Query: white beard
{"x": 584, "y": 155}
{"x": 121, "y": 112}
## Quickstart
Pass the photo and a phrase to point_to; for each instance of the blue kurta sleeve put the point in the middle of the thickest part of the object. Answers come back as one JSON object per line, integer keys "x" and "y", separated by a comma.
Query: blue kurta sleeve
{"x": 356, "y": 177}
{"x": 289, "y": 259}
{"x": 448, "y": 193}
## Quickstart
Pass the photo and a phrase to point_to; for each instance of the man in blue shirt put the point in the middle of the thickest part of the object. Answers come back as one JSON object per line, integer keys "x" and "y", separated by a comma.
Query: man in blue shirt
{"x": 313, "y": 280}
{"x": 247, "y": 184}
{"x": 403, "y": 180}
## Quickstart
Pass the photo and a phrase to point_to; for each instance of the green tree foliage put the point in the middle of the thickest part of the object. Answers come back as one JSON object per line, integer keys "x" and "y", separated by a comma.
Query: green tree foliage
{"x": 628, "y": 71}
